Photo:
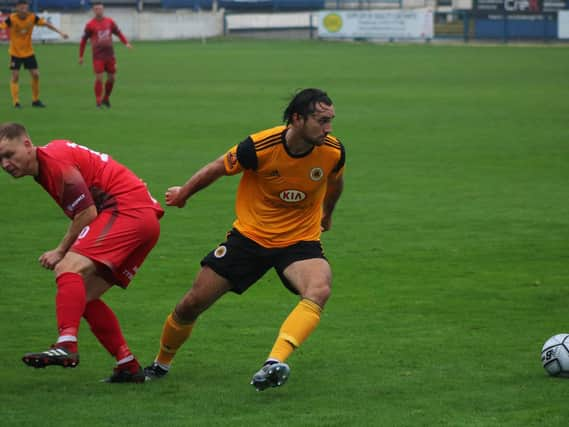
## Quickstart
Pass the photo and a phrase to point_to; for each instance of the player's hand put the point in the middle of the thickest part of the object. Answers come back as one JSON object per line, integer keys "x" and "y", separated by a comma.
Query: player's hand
{"x": 65, "y": 35}
{"x": 50, "y": 259}
{"x": 128, "y": 45}
{"x": 174, "y": 198}
{"x": 80, "y": 61}
{"x": 325, "y": 223}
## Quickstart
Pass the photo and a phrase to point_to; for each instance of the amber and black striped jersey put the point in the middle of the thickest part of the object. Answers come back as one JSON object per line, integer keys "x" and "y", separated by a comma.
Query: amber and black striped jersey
{"x": 20, "y": 31}
{"x": 280, "y": 195}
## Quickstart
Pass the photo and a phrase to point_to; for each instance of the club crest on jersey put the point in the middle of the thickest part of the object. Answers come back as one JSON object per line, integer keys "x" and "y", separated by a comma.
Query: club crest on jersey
{"x": 292, "y": 196}
{"x": 231, "y": 159}
{"x": 220, "y": 251}
{"x": 316, "y": 174}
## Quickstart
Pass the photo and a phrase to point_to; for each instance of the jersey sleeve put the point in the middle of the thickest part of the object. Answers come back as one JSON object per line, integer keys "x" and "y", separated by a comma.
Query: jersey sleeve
{"x": 115, "y": 28}
{"x": 40, "y": 21}
{"x": 7, "y": 23}
{"x": 232, "y": 166}
{"x": 74, "y": 196}
{"x": 87, "y": 32}
{"x": 241, "y": 156}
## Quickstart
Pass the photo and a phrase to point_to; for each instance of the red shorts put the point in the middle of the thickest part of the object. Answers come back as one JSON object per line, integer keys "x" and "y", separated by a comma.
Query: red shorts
{"x": 119, "y": 241}
{"x": 102, "y": 65}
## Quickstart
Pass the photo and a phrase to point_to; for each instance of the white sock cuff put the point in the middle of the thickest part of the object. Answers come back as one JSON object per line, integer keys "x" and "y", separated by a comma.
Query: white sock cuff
{"x": 66, "y": 338}
{"x": 125, "y": 360}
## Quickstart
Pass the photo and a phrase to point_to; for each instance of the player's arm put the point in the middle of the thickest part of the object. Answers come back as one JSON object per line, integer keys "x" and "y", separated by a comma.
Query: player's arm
{"x": 117, "y": 32}
{"x": 81, "y": 219}
{"x": 41, "y": 21}
{"x": 333, "y": 192}
{"x": 83, "y": 44}
{"x": 334, "y": 188}
{"x": 177, "y": 196}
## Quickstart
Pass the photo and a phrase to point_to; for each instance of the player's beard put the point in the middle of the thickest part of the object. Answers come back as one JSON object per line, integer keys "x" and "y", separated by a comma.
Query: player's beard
{"x": 317, "y": 142}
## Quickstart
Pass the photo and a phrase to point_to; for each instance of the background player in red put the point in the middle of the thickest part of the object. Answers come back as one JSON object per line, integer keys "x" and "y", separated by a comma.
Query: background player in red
{"x": 100, "y": 31}
{"x": 114, "y": 225}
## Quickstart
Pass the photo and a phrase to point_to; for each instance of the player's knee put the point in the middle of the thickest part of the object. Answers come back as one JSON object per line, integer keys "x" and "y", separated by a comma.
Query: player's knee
{"x": 189, "y": 308}
{"x": 318, "y": 291}
{"x": 64, "y": 266}
{"x": 75, "y": 263}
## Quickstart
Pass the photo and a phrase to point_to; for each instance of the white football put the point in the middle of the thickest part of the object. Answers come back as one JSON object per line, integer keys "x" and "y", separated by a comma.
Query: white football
{"x": 555, "y": 355}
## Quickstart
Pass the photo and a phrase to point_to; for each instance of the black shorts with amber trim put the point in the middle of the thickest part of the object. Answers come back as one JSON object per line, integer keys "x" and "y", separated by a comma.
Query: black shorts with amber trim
{"x": 243, "y": 261}
{"x": 29, "y": 63}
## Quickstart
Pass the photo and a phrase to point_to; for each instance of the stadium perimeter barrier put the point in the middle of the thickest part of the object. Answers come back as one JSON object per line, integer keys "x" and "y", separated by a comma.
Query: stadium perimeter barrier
{"x": 515, "y": 19}
{"x": 493, "y": 20}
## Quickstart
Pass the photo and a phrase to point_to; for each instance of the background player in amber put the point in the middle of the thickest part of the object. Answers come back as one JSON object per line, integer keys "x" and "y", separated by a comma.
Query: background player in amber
{"x": 114, "y": 225}
{"x": 292, "y": 179}
{"x": 21, "y": 25}
{"x": 100, "y": 31}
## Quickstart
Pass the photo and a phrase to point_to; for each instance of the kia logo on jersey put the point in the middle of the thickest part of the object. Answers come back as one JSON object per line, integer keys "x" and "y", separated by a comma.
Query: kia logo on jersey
{"x": 292, "y": 196}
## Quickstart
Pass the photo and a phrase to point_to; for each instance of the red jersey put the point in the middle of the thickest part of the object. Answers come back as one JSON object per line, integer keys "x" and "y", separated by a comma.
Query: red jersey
{"x": 100, "y": 32}
{"x": 78, "y": 177}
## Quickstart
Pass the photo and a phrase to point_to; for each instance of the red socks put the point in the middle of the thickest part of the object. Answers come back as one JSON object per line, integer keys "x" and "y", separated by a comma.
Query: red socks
{"x": 70, "y": 303}
{"x": 98, "y": 91}
{"x": 108, "y": 89}
{"x": 106, "y": 328}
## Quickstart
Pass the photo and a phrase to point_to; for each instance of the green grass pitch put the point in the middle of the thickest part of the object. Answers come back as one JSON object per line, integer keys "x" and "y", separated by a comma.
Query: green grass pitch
{"x": 450, "y": 245}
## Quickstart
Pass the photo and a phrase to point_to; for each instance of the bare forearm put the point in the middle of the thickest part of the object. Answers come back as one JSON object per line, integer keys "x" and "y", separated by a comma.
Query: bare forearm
{"x": 57, "y": 30}
{"x": 333, "y": 194}
{"x": 203, "y": 178}
{"x": 80, "y": 221}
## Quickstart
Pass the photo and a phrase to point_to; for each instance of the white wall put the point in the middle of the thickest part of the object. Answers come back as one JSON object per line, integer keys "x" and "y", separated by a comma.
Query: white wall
{"x": 269, "y": 20}
{"x": 179, "y": 24}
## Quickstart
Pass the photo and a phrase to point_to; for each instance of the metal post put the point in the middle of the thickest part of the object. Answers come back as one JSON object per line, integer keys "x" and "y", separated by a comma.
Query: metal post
{"x": 505, "y": 27}
{"x": 311, "y": 24}
{"x": 465, "y": 24}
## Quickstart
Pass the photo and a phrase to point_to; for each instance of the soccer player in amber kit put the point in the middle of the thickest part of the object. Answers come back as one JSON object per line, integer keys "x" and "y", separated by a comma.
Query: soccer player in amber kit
{"x": 100, "y": 31}
{"x": 20, "y": 26}
{"x": 114, "y": 225}
{"x": 292, "y": 179}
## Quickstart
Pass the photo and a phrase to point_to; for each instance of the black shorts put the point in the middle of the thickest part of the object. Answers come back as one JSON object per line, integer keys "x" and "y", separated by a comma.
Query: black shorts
{"x": 29, "y": 62}
{"x": 243, "y": 261}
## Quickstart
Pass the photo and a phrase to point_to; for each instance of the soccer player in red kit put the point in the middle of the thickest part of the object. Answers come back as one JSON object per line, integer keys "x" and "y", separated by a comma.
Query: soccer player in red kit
{"x": 100, "y": 31}
{"x": 114, "y": 225}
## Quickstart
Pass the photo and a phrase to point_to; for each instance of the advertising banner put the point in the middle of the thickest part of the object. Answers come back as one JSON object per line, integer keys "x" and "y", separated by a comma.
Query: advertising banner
{"x": 376, "y": 24}
{"x": 519, "y": 6}
{"x": 3, "y": 32}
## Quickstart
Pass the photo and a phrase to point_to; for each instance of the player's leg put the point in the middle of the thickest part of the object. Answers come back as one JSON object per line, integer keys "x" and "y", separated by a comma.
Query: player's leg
{"x": 15, "y": 65}
{"x": 208, "y": 287}
{"x": 311, "y": 278}
{"x": 110, "y": 67}
{"x": 99, "y": 88}
{"x": 105, "y": 326}
{"x": 31, "y": 64}
{"x": 108, "y": 89}
{"x": 233, "y": 266}
{"x": 120, "y": 245}
{"x": 99, "y": 70}
{"x": 70, "y": 301}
